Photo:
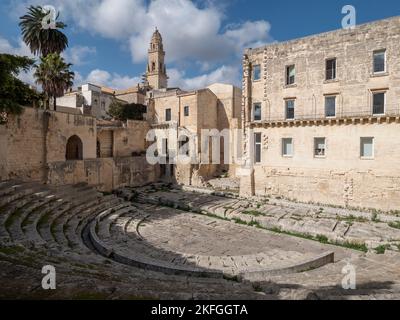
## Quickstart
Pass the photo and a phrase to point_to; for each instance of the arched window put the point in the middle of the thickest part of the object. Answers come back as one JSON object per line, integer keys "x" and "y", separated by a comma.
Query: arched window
{"x": 74, "y": 150}
{"x": 153, "y": 66}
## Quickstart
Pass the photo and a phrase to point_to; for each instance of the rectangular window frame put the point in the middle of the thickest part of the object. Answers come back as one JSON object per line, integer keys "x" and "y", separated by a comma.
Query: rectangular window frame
{"x": 286, "y": 109}
{"x": 315, "y": 151}
{"x": 257, "y": 72}
{"x": 363, "y": 157}
{"x": 186, "y": 111}
{"x": 257, "y": 104}
{"x": 374, "y": 93}
{"x": 286, "y": 155}
{"x": 384, "y": 51}
{"x": 168, "y": 115}
{"x": 328, "y": 71}
{"x": 326, "y": 106}
{"x": 288, "y": 77}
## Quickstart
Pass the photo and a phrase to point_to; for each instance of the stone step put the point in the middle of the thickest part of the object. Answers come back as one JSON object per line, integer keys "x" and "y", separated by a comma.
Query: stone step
{"x": 105, "y": 225}
{"x": 49, "y": 230}
{"x": 19, "y": 192}
{"x": 60, "y": 225}
{"x": 28, "y": 215}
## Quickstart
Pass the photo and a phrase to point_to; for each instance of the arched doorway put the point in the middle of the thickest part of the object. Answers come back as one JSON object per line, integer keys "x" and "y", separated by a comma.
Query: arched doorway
{"x": 74, "y": 150}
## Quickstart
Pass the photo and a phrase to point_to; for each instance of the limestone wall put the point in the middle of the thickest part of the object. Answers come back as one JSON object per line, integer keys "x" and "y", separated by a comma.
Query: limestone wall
{"x": 342, "y": 177}
{"x": 64, "y": 125}
{"x": 23, "y": 146}
{"x": 106, "y": 174}
{"x": 3, "y": 153}
{"x": 33, "y": 147}
{"x": 131, "y": 139}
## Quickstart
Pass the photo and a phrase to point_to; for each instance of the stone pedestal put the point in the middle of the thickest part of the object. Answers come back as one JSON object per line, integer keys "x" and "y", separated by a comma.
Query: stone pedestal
{"x": 246, "y": 182}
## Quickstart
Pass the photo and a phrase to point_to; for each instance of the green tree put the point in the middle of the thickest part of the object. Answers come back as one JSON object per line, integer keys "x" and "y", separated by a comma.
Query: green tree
{"x": 13, "y": 92}
{"x": 123, "y": 112}
{"x": 42, "y": 41}
{"x": 54, "y": 75}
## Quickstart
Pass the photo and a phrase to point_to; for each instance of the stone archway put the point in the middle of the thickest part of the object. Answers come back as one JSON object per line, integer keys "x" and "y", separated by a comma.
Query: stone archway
{"x": 74, "y": 149}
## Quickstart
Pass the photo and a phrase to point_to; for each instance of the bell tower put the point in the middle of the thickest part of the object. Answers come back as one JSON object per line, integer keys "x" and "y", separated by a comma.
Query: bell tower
{"x": 156, "y": 73}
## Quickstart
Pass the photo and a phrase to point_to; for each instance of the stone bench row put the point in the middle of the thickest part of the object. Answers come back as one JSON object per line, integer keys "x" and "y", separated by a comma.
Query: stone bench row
{"x": 335, "y": 229}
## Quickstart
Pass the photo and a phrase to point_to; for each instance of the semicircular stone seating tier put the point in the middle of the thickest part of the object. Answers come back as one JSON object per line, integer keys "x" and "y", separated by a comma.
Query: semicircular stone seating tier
{"x": 172, "y": 241}
{"x": 44, "y": 225}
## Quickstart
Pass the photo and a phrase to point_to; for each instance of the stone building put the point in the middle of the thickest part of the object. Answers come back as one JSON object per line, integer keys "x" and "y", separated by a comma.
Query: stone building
{"x": 95, "y": 100}
{"x": 179, "y": 117}
{"x": 79, "y": 143}
{"x": 322, "y": 116}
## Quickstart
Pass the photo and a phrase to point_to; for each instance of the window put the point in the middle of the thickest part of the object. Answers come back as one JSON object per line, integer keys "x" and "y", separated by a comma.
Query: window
{"x": 257, "y": 72}
{"x": 319, "y": 147}
{"x": 186, "y": 111}
{"x": 367, "y": 148}
{"x": 330, "y": 69}
{"x": 290, "y": 75}
{"x": 379, "y": 61}
{"x": 167, "y": 114}
{"x": 103, "y": 105}
{"x": 289, "y": 106}
{"x": 330, "y": 106}
{"x": 257, "y": 112}
{"x": 287, "y": 147}
{"x": 378, "y": 103}
{"x": 257, "y": 147}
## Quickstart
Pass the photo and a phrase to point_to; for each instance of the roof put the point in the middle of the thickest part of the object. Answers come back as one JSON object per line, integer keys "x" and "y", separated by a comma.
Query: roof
{"x": 134, "y": 89}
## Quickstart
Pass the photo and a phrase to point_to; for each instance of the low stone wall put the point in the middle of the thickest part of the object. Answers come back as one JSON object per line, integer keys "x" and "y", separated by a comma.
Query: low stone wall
{"x": 347, "y": 189}
{"x": 106, "y": 174}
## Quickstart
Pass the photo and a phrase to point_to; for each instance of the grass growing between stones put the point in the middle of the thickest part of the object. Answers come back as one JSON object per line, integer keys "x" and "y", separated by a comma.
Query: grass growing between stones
{"x": 351, "y": 218}
{"x": 253, "y": 213}
{"x": 11, "y": 250}
{"x": 395, "y": 225}
{"x": 381, "y": 249}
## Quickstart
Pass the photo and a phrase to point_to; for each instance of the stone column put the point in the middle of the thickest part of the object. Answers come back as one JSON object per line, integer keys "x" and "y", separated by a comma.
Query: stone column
{"x": 246, "y": 172}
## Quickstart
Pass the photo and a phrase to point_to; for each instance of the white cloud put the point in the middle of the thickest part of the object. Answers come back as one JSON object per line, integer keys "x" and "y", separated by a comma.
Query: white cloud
{"x": 78, "y": 55}
{"x": 224, "y": 74}
{"x": 19, "y": 49}
{"x": 104, "y": 78}
{"x": 189, "y": 31}
{"x": 193, "y": 34}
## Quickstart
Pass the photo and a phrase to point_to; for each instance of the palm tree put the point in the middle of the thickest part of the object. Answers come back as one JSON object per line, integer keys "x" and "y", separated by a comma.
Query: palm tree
{"x": 42, "y": 41}
{"x": 54, "y": 75}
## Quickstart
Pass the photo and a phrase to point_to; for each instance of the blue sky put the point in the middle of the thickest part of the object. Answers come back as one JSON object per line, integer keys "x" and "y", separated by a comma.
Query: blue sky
{"x": 204, "y": 39}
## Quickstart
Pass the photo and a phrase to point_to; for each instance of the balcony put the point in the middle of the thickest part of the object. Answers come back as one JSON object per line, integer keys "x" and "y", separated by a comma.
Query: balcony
{"x": 370, "y": 115}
